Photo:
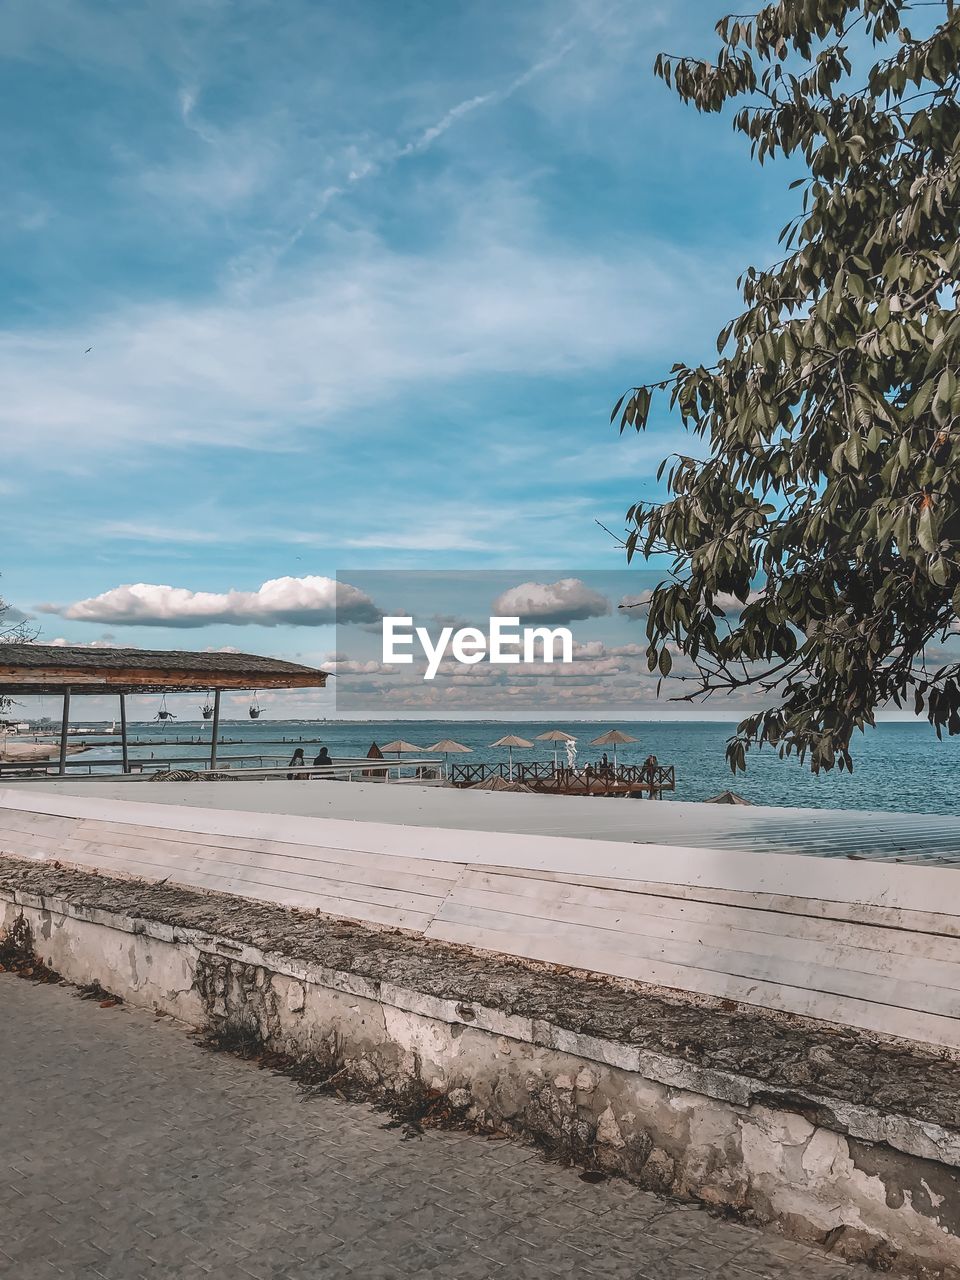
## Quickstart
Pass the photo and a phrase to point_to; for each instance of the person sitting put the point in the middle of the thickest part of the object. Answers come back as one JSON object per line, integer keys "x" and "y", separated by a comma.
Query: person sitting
{"x": 322, "y": 758}
{"x": 296, "y": 760}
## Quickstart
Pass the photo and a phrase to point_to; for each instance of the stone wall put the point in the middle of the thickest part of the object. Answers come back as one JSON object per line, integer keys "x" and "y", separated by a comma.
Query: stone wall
{"x": 810, "y": 1167}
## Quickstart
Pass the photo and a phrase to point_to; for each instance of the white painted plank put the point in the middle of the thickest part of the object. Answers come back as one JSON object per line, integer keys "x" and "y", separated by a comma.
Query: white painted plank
{"x": 794, "y": 948}
{"x": 11, "y": 841}
{"x": 815, "y": 832}
{"x": 416, "y": 866}
{"x": 880, "y": 884}
{"x": 266, "y": 891}
{"x": 896, "y": 947}
{"x": 883, "y": 1019}
{"x": 340, "y": 908}
{"x": 383, "y": 906}
{"x": 23, "y": 820}
{"x": 245, "y": 877}
{"x": 327, "y": 880}
{"x": 924, "y": 922}
{"x": 320, "y": 862}
{"x": 939, "y": 924}
{"x": 768, "y": 967}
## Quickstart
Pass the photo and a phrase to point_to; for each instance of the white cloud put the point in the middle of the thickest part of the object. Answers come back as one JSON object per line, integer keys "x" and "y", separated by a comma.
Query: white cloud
{"x": 732, "y": 604}
{"x": 590, "y": 649}
{"x": 495, "y": 96}
{"x": 428, "y": 535}
{"x": 307, "y": 601}
{"x": 366, "y": 324}
{"x": 172, "y": 531}
{"x": 566, "y": 600}
{"x": 61, "y": 643}
{"x": 386, "y": 155}
{"x": 348, "y": 666}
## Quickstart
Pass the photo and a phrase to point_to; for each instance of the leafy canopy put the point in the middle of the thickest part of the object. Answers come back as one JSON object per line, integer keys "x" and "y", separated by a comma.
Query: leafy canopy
{"x": 832, "y": 419}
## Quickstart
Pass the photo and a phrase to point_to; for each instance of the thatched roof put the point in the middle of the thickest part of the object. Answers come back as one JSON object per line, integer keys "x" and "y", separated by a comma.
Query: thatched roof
{"x": 728, "y": 797}
{"x": 496, "y": 783}
{"x": 40, "y": 668}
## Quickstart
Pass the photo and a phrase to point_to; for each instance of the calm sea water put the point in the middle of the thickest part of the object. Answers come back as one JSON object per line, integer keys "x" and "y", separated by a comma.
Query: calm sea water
{"x": 896, "y": 766}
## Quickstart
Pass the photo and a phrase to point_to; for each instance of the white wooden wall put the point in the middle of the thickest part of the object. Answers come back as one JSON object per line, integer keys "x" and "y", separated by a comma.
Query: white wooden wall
{"x": 863, "y": 944}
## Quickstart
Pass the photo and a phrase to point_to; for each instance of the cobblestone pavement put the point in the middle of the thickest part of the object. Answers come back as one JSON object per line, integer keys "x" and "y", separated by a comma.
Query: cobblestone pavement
{"x": 128, "y": 1151}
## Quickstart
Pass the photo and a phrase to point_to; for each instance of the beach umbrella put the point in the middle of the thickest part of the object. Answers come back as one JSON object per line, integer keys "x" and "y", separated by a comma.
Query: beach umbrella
{"x": 496, "y": 783}
{"x": 449, "y": 747}
{"x": 554, "y": 736}
{"x": 611, "y": 739}
{"x": 374, "y": 754}
{"x": 400, "y": 747}
{"x": 728, "y": 797}
{"x": 510, "y": 741}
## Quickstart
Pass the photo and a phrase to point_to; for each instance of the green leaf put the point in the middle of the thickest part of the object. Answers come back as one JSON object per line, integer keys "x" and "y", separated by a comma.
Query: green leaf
{"x": 937, "y": 571}
{"x": 853, "y": 450}
{"x": 943, "y": 398}
{"x": 926, "y": 529}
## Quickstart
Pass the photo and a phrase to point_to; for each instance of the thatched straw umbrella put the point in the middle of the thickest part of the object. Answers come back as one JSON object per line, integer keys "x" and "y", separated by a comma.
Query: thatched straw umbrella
{"x": 510, "y": 741}
{"x": 555, "y": 736}
{"x": 496, "y": 783}
{"x": 400, "y": 747}
{"x": 728, "y": 797}
{"x": 611, "y": 739}
{"x": 449, "y": 747}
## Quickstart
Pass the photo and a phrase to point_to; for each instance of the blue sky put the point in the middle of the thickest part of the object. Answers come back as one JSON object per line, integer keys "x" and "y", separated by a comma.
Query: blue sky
{"x": 361, "y": 285}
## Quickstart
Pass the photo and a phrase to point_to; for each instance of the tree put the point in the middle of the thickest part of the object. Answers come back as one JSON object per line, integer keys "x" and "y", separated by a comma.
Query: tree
{"x": 13, "y": 627}
{"x": 828, "y": 502}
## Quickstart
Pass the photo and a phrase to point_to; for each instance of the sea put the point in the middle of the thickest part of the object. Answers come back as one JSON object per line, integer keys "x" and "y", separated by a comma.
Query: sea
{"x": 897, "y": 766}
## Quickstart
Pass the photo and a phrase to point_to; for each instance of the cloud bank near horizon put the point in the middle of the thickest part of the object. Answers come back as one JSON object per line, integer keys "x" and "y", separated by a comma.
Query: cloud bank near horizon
{"x": 310, "y": 601}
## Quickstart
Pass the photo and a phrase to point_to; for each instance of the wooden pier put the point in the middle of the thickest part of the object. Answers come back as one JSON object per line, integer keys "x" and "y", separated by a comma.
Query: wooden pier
{"x": 648, "y": 779}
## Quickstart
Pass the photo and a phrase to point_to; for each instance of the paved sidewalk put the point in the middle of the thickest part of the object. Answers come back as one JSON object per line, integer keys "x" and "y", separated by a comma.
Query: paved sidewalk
{"x": 128, "y": 1151}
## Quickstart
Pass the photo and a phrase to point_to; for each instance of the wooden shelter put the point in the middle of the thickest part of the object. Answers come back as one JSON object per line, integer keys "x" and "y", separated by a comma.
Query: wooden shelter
{"x": 66, "y": 670}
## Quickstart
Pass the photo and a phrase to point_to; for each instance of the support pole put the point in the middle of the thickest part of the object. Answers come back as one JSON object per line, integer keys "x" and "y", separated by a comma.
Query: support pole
{"x": 64, "y": 726}
{"x": 123, "y": 733}
{"x": 216, "y": 729}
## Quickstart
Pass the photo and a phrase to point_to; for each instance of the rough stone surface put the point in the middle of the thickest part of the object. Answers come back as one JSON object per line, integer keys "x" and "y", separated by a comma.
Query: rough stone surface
{"x": 130, "y": 1152}
{"x": 790, "y": 1054}
{"x": 895, "y": 1207}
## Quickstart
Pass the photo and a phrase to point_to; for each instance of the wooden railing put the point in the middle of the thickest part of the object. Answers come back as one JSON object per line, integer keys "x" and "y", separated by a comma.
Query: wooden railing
{"x": 625, "y": 779}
